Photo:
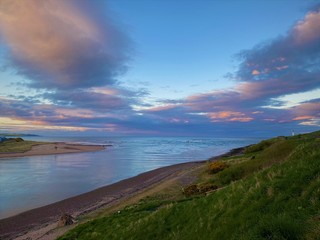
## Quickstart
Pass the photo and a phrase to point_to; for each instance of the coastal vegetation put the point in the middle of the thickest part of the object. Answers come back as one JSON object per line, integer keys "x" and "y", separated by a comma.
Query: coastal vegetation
{"x": 16, "y": 145}
{"x": 271, "y": 191}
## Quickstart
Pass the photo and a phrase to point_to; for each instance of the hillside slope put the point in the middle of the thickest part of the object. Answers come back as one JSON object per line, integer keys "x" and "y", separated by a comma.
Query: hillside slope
{"x": 272, "y": 191}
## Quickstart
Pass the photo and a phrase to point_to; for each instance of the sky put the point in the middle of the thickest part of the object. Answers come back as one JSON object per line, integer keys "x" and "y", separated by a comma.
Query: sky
{"x": 160, "y": 68}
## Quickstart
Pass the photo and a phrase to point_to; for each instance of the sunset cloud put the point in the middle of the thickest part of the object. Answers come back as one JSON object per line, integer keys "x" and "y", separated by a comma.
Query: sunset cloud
{"x": 307, "y": 31}
{"x": 72, "y": 55}
{"x": 255, "y": 72}
{"x": 59, "y": 44}
{"x": 229, "y": 116}
{"x": 288, "y": 64}
{"x": 70, "y": 50}
{"x": 302, "y": 118}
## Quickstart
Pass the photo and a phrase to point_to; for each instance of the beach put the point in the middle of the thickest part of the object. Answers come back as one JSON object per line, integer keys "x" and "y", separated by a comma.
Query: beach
{"x": 54, "y": 148}
{"x": 42, "y": 222}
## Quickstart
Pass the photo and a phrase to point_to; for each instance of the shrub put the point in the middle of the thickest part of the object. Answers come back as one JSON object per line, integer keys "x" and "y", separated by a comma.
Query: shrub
{"x": 204, "y": 188}
{"x": 18, "y": 139}
{"x": 190, "y": 190}
{"x": 198, "y": 189}
{"x": 217, "y": 166}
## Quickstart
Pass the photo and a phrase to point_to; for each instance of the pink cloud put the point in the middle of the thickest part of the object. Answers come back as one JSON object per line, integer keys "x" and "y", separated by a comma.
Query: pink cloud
{"x": 307, "y": 109}
{"x": 70, "y": 44}
{"x": 161, "y": 108}
{"x": 225, "y": 114}
{"x": 302, "y": 118}
{"x": 255, "y": 72}
{"x": 241, "y": 119}
{"x": 71, "y": 48}
{"x": 308, "y": 29}
{"x": 229, "y": 116}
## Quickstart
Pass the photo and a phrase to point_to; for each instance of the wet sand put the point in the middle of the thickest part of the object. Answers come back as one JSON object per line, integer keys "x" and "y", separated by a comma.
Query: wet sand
{"x": 54, "y": 148}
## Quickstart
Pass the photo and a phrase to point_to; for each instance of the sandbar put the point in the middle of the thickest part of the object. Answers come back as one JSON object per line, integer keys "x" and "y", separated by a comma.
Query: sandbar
{"x": 54, "y": 148}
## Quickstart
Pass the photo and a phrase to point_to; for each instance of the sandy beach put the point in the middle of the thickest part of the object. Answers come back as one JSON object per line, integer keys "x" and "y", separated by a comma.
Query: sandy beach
{"x": 54, "y": 148}
{"x": 42, "y": 223}
{"x": 39, "y": 222}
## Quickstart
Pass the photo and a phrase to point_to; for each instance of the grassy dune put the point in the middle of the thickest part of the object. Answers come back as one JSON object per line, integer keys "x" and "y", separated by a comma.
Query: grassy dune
{"x": 14, "y": 146}
{"x": 272, "y": 191}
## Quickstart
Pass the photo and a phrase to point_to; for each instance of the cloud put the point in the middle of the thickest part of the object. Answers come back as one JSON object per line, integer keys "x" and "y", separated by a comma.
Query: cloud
{"x": 97, "y": 99}
{"x": 292, "y": 59}
{"x": 304, "y": 32}
{"x": 302, "y": 118}
{"x": 229, "y": 116}
{"x": 52, "y": 116}
{"x": 286, "y": 65}
{"x": 72, "y": 52}
{"x": 59, "y": 44}
{"x": 76, "y": 52}
{"x": 307, "y": 109}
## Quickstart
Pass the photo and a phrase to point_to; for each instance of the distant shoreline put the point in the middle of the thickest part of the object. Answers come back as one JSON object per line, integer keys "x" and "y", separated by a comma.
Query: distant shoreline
{"x": 54, "y": 148}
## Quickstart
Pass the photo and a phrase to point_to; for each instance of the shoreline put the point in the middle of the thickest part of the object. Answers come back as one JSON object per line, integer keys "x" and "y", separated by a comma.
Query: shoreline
{"x": 40, "y": 221}
{"x": 14, "y": 226}
{"x": 54, "y": 148}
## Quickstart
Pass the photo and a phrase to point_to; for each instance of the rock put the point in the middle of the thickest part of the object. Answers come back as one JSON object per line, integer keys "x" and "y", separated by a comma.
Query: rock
{"x": 65, "y": 220}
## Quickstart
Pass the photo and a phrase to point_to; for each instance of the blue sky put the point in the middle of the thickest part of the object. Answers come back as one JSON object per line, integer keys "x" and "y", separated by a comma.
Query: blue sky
{"x": 218, "y": 68}
{"x": 185, "y": 47}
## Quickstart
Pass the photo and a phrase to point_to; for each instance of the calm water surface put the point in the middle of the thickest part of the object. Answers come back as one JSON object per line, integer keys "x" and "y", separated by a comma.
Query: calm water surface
{"x": 30, "y": 182}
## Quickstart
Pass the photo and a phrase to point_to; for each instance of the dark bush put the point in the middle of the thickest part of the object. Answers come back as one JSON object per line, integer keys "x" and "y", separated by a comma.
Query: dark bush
{"x": 198, "y": 189}
{"x": 18, "y": 139}
{"x": 207, "y": 188}
{"x": 190, "y": 190}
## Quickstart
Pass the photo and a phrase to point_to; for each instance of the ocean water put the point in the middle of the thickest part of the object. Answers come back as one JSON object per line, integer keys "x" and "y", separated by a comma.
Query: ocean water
{"x": 31, "y": 182}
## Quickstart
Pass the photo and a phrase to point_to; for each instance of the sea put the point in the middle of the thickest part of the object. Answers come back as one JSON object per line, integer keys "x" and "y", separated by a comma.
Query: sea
{"x": 31, "y": 182}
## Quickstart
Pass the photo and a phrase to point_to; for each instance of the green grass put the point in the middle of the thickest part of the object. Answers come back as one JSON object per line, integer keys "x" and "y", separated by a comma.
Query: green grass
{"x": 12, "y": 146}
{"x": 275, "y": 195}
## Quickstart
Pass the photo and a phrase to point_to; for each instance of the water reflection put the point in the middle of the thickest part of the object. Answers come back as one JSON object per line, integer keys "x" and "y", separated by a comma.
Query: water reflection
{"x": 30, "y": 182}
